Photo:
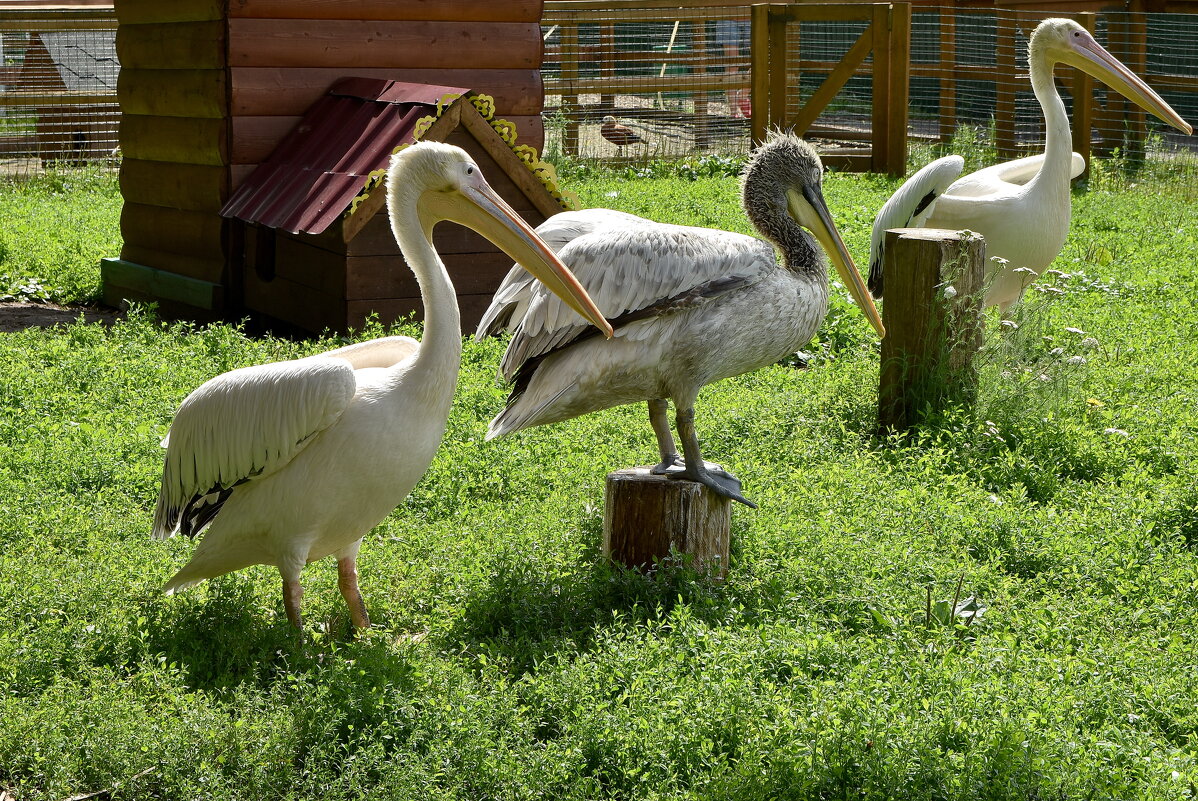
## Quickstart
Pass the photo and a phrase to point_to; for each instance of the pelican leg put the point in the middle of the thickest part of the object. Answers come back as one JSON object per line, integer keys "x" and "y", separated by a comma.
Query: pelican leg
{"x": 293, "y": 594}
{"x": 659, "y": 419}
{"x": 347, "y": 580}
{"x": 712, "y": 476}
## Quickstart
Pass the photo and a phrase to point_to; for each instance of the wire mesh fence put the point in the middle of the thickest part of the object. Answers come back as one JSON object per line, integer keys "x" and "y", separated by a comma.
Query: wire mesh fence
{"x": 679, "y": 79}
{"x": 58, "y": 81}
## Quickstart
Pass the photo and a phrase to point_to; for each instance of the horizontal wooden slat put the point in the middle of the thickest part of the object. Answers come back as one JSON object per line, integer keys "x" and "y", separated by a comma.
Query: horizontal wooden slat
{"x": 15, "y": 21}
{"x": 468, "y": 10}
{"x": 128, "y": 280}
{"x": 383, "y": 44}
{"x": 184, "y": 264}
{"x": 383, "y": 277}
{"x": 172, "y": 93}
{"x": 175, "y": 139}
{"x": 391, "y": 309}
{"x": 63, "y": 97}
{"x": 196, "y": 233}
{"x": 255, "y": 138}
{"x": 266, "y": 91}
{"x": 136, "y": 12}
{"x": 194, "y": 187}
{"x": 172, "y": 46}
{"x": 648, "y": 84}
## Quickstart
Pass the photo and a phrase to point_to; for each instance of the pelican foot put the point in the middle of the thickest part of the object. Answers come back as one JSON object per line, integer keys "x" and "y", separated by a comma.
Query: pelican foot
{"x": 670, "y": 464}
{"x": 715, "y": 478}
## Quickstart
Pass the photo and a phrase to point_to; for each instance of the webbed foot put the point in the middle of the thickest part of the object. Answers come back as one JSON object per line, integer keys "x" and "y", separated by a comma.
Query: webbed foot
{"x": 715, "y": 478}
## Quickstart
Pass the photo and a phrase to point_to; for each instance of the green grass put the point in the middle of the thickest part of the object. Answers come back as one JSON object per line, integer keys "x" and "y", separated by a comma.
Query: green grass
{"x": 1064, "y": 507}
{"x": 57, "y": 228}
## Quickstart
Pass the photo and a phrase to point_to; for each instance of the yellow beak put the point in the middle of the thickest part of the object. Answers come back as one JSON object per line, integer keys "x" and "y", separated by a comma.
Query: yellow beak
{"x": 479, "y": 207}
{"x": 1089, "y": 56}
{"x": 825, "y": 231}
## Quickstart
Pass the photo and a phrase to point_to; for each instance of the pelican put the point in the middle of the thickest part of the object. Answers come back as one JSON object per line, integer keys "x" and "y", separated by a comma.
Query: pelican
{"x": 690, "y": 306}
{"x": 1021, "y": 207}
{"x": 286, "y": 463}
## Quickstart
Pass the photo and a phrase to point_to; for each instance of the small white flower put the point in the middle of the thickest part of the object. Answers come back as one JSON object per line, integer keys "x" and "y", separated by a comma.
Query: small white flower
{"x": 950, "y": 292}
{"x": 1057, "y": 352}
{"x": 1028, "y": 270}
{"x": 1076, "y": 360}
{"x": 1043, "y": 377}
{"x": 1072, "y": 330}
{"x": 1010, "y": 325}
{"x": 1116, "y": 431}
{"x": 1000, "y": 261}
{"x": 1090, "y": 342}
{"x": 613, "y": 193}
{"x": 995, "y": 499}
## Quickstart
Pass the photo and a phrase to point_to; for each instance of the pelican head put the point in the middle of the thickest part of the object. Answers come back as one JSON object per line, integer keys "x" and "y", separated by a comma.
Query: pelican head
{"x": 446, "y": 184}
{"x": 784, "y": 179}
{"x": 1063, "y": 40}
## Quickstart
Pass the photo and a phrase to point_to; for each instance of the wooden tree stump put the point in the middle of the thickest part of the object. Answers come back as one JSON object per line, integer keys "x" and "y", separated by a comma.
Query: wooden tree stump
{"x": 650, "y": 517}
{"x": 933, "y": 318}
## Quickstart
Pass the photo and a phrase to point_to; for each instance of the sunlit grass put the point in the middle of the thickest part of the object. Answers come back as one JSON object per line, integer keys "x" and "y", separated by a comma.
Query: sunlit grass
{"x": 509, "y": 661}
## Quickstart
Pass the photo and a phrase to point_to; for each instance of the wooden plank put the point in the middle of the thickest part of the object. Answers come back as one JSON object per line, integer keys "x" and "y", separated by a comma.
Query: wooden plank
{"x": 777, "y": 69}
{"x": 126, "y": 280}
{"x": 175, "y": 46}
{"x": 408, "y": 10}
{"x": 178, "y": 263}
{"x": 253, "y": 139}
{"x": 53, "y": 21}
{"x": 1005, "y": 84}
{"x": 646, "y": 12}
{"x": 386, "y": 44}
{"x": 898, "y": 90}
{"x": 138, "y": 12}
{"x": 268, "y": 91}
{"x": 1082, "y": 88}
{"x": 945, "y": 77}
{"x": 883, "y": 63}
{"x": 300, "y": 260}
{"x": 172, "y": 93}
{"x": 759, "y": 73}
{"x": 199, "y": 234}
{"x": 195, "y": 187}
{"x": 647, "y": 84}
{"x": 61, "y": 97}
{"x": 569, "y": 74}
{"x": 177, "y": 139}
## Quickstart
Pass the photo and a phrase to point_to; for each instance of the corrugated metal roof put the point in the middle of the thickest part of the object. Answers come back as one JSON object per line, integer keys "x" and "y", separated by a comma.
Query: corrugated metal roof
{"x": 316, "y": 171}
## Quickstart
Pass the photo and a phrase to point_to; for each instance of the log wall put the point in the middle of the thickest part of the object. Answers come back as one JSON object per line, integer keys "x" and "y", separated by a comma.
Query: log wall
{"x": 208, "y": 88}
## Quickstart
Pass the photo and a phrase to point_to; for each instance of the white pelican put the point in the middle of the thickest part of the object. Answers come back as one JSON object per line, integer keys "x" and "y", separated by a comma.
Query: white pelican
{"x": 1021, "y": 207}
{"x": 690, "y": 306}
{"x": 287, "y": 463}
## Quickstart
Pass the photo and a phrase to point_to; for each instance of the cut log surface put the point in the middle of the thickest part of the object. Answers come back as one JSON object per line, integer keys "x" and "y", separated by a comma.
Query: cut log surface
{"x": 649, "y": 518}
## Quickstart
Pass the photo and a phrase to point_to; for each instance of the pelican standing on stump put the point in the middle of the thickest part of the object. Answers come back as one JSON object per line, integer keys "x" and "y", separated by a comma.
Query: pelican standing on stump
{"x": 286, "y": 463}
{"x": 1021, "y": 207}
{"x": 689, "y": 306}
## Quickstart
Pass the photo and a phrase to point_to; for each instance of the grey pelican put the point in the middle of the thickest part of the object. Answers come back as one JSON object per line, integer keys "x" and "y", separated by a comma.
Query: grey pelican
{"x": 690, "y": 306}
{"x": 286, "y": 463}
{"x": 1021, "y": 207}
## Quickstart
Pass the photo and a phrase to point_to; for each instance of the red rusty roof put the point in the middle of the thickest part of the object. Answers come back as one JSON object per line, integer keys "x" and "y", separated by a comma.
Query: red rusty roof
{"x": 316, "y": 171}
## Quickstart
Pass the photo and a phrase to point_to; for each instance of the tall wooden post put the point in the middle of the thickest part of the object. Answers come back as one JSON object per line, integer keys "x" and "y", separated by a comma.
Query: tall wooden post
{"x": 933, "y": 319}
{"x": 648, "y": 518}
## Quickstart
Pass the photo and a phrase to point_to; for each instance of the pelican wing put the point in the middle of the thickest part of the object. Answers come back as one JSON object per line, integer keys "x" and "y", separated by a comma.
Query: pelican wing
{"x": 511, "y": 300}
{"x": 910, "y": 207}
{"x": 635, "y": 271}
{"x": 244, "y": 425}
{"x": 1000, "y": 178}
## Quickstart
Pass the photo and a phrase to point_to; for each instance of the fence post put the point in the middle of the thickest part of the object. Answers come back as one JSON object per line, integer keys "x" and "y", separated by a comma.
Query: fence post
{"x": 948, "y": 73}
{"x": 899, "y": 89}
{"x": 759, "y": 65}
{"x": 933, "y": 319}
{"x": 569, "y": 73}
{"x": 1082, "y": 87}
{"x": 883, "y": 64}
{"x": 1004, "y": 86}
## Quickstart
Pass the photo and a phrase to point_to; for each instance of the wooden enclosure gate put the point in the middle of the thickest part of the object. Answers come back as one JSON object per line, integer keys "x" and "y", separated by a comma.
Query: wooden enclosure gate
{"x": 887, "y": 37}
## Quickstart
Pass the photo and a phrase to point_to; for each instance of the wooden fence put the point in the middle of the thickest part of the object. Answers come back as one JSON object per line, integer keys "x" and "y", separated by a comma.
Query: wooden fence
{"x": 58, "y": 97}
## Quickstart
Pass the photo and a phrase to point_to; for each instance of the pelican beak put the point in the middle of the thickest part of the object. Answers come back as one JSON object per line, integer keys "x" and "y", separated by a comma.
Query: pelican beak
{"x": 489, "y": 214}
{"x": 812, "y": 213}
{"x": 1090, "y": 57}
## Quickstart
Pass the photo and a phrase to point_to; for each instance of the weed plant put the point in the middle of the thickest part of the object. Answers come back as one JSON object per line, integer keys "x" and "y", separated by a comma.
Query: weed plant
{"x": 1000, "y": 608}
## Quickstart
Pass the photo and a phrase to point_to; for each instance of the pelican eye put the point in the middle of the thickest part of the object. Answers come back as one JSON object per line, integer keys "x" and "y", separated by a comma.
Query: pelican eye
{"x": 470, "y": 170}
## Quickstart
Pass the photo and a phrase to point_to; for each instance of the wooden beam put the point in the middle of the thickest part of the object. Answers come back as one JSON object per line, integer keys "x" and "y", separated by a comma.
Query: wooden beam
{"x": 124, "y": 280}
{"x": 172, "y": 46}
{"x": 399, "y": 10}
{"x": 393, "y": 44}
{"x": 832, "y": 85}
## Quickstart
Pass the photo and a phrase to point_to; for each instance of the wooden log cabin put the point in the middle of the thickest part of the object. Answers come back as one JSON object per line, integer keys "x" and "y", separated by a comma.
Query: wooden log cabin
{"x": 209, "y": 88}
